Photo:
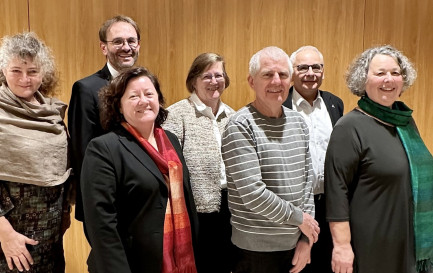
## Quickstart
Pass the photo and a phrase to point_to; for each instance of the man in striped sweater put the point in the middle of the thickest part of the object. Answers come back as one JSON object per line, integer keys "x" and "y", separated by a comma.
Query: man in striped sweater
{"x": 269, "y": 174}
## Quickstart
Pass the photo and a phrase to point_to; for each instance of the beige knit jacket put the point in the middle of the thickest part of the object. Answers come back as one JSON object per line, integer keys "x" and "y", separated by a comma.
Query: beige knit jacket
{"x": 200, "y": 149}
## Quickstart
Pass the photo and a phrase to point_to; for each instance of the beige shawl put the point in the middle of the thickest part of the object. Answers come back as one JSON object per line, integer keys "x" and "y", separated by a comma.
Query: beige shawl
{"x": 33, "y": 140}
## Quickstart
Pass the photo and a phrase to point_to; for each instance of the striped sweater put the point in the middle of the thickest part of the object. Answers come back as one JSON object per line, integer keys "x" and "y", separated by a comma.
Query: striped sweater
{"x": 269, "y": 178}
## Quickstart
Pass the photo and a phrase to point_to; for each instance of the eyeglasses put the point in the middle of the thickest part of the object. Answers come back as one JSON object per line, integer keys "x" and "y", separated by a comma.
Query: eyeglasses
{"x": 208, "y": 77}
{"x": 303, "y": 68}
{"x": 119, "y": 42}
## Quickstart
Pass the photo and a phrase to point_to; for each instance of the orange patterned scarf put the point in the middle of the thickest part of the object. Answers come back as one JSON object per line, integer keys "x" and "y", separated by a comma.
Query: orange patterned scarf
{"x": 178, "y": 255}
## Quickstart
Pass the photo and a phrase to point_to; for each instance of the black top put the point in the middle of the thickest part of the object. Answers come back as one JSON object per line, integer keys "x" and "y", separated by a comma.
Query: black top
{"x": 367, "y": 182}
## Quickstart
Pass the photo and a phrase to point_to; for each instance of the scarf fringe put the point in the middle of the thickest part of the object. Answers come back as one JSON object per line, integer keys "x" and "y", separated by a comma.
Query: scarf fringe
{"x": 424, "y": 265}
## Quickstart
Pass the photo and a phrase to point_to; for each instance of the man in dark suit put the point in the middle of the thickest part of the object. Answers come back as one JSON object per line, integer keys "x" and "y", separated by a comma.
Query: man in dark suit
{"x": 120, "y": 43}
{"x": 321, "y": 110}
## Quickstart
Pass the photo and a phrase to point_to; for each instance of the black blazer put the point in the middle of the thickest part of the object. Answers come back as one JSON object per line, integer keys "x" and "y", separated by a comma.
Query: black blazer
{"x": 83, "y": 122}
{"x": 125, "y": 199}
{"x": 334, "y": 104}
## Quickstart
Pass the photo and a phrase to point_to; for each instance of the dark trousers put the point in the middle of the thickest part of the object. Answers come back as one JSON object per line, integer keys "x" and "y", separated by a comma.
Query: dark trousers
{"x": 214, "y": 240}
{"x": 263, "y": 262}
{"x": 321, "y": 253}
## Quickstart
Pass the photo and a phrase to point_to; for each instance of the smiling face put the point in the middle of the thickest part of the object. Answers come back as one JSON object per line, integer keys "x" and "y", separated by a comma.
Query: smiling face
{"x": 23, "y": 78}
{"x": 140, "y": 103}
{"x": 210, "y": 85}
{"x": 384, "y": 80}
{"x": 307, "y": 83}
{"x": 124, "y": 56}
{"x": 271, "y": 84}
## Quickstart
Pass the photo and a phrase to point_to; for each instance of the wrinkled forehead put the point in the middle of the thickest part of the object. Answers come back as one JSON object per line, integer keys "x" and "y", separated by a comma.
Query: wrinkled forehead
{"x": 384, "y": 61}
{"x": 23, "y": 60}
{"x": 268, "y": 63}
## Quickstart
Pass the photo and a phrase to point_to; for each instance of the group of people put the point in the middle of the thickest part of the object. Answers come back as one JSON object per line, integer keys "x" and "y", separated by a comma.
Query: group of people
{"x": 277, "y": 186}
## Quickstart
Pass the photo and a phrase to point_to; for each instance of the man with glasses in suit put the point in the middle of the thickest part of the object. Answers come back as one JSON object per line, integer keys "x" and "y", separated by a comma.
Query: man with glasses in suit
{"x": 321, "y": 110}
{"x": 120, "y": 43}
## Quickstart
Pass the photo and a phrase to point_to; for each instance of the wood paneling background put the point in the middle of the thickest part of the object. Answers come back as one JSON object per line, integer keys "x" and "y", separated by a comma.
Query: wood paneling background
{"x": 14, "y": 18}
{"x": 175, "y": 31}
{"x": 407, "y": 26}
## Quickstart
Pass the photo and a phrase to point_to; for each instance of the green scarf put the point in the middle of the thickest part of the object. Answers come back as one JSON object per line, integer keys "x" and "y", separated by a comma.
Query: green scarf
{"x": 421, "y": 170}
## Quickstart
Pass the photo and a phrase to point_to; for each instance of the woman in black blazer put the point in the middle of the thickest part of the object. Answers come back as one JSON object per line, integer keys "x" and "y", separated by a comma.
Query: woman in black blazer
{"x": 138, "y": 205}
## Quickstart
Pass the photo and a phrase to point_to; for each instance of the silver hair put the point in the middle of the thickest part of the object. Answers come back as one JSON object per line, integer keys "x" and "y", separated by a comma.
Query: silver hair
{"x": 304, "y": 48}
{"x": 275, "y": 53}
{"x": 356, "y": 75}
{"x": 27, "y": 45}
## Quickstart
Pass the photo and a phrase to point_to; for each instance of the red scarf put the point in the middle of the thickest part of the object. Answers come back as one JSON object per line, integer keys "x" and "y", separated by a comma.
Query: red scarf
{"x": 178, "y": 255}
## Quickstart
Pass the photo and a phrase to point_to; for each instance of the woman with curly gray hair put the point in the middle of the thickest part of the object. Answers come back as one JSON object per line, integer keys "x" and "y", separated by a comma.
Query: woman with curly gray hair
{"x": 34, "y": 173}
{"x": 379, "y": 174}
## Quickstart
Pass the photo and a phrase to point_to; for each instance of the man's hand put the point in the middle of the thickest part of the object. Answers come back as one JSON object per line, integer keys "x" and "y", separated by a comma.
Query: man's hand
{"x": 301, "y": 257}
{"x": 310, "y": 228}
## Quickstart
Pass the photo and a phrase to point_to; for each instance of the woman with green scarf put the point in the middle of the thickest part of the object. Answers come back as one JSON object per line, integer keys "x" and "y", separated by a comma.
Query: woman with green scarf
{"x": 379, "y": 174}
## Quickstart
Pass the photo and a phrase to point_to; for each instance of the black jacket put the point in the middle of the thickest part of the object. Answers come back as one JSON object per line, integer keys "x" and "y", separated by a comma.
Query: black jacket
{"x": 125, "y": 199}
{"x": 84, "y": 123}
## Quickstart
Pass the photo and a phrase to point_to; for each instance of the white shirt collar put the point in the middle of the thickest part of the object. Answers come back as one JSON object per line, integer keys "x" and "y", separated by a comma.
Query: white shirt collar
{"x": 298, "y": 99}
{"x": 206, "y": 110}
{"x": 114, "y": 73}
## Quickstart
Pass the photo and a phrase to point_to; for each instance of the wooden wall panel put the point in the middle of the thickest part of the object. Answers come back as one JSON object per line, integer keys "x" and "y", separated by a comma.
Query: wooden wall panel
{"x": 14, "y": 17}
{"x": 237, "y": 29}
{"x": 174, "y": 32}
{"x": 71, "y": 28}
{"x": 407, "y": 26}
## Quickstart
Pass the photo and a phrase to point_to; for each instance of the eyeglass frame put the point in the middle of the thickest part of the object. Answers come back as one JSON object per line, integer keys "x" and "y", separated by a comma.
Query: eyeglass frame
{"x": 309, "y": 65}
{"x": 123, "y": 42}
{"x": 207, "y": 77}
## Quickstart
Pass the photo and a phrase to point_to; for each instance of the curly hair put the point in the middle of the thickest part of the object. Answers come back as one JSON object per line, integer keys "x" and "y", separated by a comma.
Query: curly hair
{"x": 275, "y": 53}
{"x": 199, "y": 65}
{"x": 28, "y": 46}
{"x": 110, "y": 96}
{"x": 356, "y": 75}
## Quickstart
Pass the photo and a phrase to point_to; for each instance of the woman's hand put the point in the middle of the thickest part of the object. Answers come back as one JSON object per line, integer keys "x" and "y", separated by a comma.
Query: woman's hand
{"x": 342, "y": 259}
{"x": 342, "y": 254}
{"x": 15, "y": 250}
{"x": 14, "y": 247}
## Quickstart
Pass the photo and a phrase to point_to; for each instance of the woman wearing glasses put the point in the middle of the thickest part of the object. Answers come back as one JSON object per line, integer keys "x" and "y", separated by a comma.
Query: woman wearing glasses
{"x": 198, "y": 122}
